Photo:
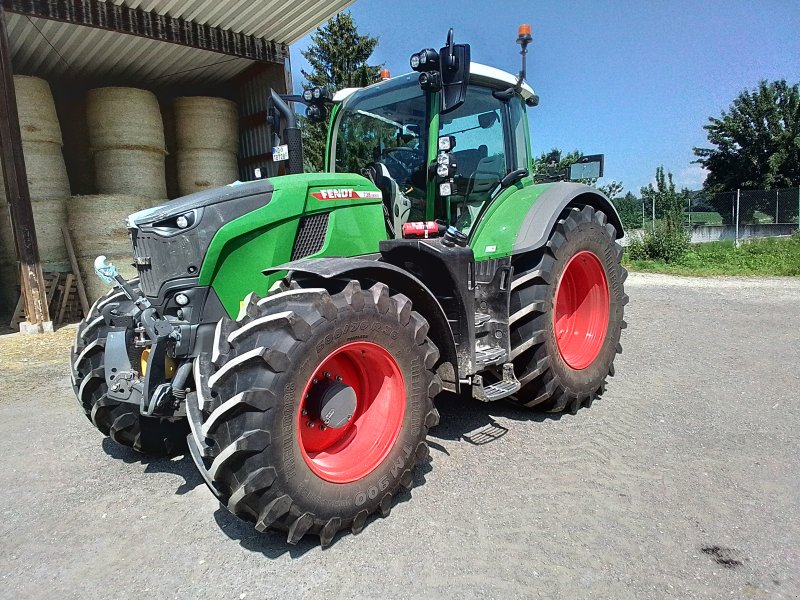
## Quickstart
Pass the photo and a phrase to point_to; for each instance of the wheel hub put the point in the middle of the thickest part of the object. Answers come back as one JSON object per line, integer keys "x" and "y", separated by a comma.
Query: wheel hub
{"x": 331, "y": 402}
{"x": 352, "y": 412}
{"x": 581, "y": 310}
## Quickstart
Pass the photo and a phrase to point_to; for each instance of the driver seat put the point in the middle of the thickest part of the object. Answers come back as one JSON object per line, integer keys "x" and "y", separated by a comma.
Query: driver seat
{"x": 397, "y": 206}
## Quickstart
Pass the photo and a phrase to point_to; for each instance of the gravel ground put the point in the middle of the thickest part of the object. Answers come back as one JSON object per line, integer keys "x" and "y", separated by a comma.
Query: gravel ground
{"x": 683, "y": 482}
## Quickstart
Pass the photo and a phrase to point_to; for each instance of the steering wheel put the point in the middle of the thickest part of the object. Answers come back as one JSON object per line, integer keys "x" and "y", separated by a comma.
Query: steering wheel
{"x": 402, "y": 161}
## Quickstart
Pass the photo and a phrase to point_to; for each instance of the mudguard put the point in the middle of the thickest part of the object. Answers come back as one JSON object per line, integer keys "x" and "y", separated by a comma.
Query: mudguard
{"x": 399, "y": 281}
{"x": 536, "y": 225}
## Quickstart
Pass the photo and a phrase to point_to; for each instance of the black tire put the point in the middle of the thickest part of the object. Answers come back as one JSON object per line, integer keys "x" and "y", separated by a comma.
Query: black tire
{"x": 121, "y": 421}
{"x": 249, "y": 392}
{"x": 548, "y": 382}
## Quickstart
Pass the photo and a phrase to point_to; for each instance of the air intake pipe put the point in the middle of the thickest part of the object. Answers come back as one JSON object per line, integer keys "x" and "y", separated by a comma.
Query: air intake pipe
{"x": 279, "y": 111}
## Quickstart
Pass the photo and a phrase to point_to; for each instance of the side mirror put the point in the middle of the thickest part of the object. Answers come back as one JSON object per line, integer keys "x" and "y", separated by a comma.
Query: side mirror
{"x": 446, "y": 71}
{"x": 587, "y": 167}
{"x": 455, "y": 59}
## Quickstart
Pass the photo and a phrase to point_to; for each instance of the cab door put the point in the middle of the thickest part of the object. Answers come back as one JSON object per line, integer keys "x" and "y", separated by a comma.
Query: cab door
{"x": 490, "y": 137}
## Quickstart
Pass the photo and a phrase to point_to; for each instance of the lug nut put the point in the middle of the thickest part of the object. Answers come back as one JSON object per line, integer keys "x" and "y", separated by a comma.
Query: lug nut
{"x": 310, "y": 424}
{"x": 326, "y": 374}
{"x": 338, "y": 378}
{"x": 322, "y": 427}
{"x": 304, "y": 412}
{"x": 315, "y": 380}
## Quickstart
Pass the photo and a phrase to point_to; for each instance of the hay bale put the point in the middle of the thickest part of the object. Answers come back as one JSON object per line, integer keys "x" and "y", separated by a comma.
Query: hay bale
{"x": 132, "y": 172}
{"x": 97, "y": 223}
{"x": 38, "y": 121}
{"x": 119, "y": 117}
{"x": 47, "y": 173}
{"x": 202, "y": 169}
{"x": 202, "y": 122}
{"x": 48, "y": 218}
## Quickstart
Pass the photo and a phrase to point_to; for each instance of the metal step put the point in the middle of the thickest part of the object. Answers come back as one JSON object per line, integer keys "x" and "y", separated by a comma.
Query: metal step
{"x": 499, "y": 390}
{"x": 489, "y": 356}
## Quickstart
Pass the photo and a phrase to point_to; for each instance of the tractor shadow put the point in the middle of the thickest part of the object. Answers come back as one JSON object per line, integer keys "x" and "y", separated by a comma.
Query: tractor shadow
{"x": 179, "y": 464}
{"x": 273, "y": 543}
{"x": 463, "y": 418}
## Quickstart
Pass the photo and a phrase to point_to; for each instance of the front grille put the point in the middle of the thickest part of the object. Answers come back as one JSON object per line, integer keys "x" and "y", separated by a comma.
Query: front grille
{"x": 310, "y": 235}
{"x": 163, "y": 258}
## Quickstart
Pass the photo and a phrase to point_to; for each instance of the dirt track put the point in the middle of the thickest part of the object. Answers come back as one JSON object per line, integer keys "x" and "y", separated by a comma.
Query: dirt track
{"x": 683, "y": 481}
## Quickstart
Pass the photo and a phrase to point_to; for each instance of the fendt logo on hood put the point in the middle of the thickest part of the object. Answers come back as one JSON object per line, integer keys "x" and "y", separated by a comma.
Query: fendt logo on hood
{"x": 344, "y": 194}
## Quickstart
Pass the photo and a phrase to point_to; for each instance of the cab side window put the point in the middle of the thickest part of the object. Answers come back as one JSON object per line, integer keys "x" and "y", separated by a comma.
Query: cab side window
{"x": 480, "y": 153}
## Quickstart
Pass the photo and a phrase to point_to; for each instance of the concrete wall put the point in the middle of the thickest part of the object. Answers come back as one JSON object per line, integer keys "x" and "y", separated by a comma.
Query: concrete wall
{"x": 716, "y": 233}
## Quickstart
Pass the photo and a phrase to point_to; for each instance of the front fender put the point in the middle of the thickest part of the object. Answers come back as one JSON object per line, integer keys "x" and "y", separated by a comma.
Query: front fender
{"x": 399, "y": 281}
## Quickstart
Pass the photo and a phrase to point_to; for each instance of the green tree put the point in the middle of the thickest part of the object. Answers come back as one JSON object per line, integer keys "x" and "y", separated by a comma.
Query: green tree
{"x": 629, "y": 208}
{"x": 612, "y": 189}
{"x": 668, "y": 240}
{"x": 756, "y": 145}
{"x": 338, "y": 56}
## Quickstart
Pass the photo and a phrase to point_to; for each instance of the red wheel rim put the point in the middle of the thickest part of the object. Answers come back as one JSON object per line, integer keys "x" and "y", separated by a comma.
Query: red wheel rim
{"x": 353, "y": 451}
{"x": 580, "y": 319}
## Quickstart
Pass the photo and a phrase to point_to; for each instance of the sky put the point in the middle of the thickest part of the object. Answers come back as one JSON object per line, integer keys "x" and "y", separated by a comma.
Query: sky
{"x": 634, "y": 80}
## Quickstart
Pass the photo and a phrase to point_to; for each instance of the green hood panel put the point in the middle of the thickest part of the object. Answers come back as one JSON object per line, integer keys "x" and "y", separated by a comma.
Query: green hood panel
{"x": 264, "y": 238}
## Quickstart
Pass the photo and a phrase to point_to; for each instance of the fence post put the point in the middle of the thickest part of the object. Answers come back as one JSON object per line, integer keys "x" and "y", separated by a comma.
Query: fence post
{"x": 736, "y": 216}
{"x": 776, "y": 207}
{"x": 690, "y": 211}
{"x": 798, "y": 208}
{"x": 654, "y": 215}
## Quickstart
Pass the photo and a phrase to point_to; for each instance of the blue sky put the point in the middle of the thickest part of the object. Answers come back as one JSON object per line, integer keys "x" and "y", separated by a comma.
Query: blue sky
{"x": 635, "y": 80}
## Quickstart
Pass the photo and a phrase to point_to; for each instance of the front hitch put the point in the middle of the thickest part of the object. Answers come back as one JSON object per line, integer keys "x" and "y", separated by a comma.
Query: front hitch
{"x": 154, "y": 394}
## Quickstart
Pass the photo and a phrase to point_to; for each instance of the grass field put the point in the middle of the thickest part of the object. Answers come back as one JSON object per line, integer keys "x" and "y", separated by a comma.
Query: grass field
{"x": 771, "y": 256}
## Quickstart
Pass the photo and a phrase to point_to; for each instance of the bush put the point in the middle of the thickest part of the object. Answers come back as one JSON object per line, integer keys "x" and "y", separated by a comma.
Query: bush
{"x": 667, "y": 243}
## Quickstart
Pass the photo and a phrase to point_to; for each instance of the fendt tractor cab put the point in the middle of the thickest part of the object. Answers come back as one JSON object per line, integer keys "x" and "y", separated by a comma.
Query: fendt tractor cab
{"x": 295, "y": 330}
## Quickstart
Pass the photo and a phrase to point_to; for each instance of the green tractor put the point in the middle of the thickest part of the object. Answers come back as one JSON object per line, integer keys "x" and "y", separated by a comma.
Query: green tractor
{"x": 295, "y": 330}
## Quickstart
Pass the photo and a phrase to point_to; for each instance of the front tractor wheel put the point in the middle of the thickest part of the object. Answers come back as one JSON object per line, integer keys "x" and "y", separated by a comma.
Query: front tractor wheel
{"x": 121, "y": 421}
{"x": 314, "y": 407}
{"x": 567, "y": 303}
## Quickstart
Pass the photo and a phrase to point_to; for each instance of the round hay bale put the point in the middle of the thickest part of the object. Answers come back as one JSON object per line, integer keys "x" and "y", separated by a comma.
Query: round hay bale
{"x": 48, "y": 218}
{"x": 96, "y": 288}
{"x": 97, "y": 223}
{"x": 47, "y": 173}
{"x": 38, "y": 121}
{"x": 119, "y": 117}
{"x": 132, "y": 172}
{"x": 203, "y": 169}
{"x": 205, "y": 122}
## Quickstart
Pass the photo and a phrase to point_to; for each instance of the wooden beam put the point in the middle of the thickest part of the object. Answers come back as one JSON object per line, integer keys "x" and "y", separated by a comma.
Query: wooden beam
{"x": 18, "y": 195}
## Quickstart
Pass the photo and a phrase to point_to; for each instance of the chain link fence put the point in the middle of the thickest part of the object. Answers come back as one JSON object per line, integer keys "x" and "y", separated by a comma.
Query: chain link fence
{"x": 736, "y": 215}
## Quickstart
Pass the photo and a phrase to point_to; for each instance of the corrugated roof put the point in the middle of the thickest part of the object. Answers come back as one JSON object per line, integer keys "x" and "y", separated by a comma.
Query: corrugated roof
{"x": 53, "y": 49}
{"x": 277, "y": 20}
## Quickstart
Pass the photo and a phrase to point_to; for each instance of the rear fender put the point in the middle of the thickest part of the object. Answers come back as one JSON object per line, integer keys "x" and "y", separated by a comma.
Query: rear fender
{"x": 536, "y": 225}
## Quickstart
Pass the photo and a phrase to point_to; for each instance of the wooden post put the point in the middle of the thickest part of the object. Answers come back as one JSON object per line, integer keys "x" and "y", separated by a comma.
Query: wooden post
{"x": 18, "y": 196}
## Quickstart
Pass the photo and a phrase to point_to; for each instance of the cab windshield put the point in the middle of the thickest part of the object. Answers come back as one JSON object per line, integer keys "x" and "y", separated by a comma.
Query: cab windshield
{"x": 381, "y": 132}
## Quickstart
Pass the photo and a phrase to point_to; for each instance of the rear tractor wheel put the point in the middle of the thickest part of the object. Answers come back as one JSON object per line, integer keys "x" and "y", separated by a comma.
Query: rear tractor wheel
{"x": 315, "y": 407}
{"x": 566, "y": 316}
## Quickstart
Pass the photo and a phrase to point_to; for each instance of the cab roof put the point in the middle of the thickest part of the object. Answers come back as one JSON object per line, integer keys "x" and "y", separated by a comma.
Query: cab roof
{"x": 478, "y": 73}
